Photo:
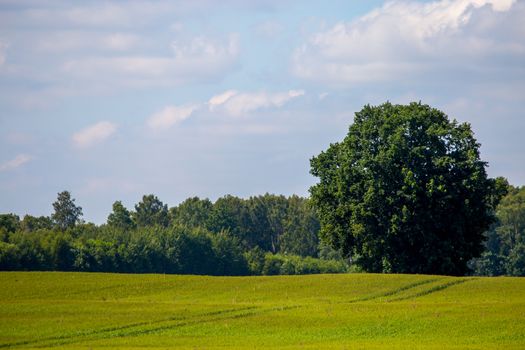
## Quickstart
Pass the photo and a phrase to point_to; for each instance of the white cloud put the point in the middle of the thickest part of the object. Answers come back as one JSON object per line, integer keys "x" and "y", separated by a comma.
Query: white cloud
{"x": 407, "y": 37}
{"x": 94, "y": 134}
{"x": 269, "y": 29}
{"x": 236, "y": 103}
{"x": 218, "y": 100}
{"x": 16, "y": 162}
{"x": 99, "y": 14}
{"x": 92, "y": 42}
{"x": 120, "y": 41}
{"x": 170, "y": 116}
{"x": 198, "y": 59}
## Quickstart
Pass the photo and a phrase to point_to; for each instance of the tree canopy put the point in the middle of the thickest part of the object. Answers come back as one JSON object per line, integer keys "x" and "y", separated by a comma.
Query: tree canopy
{"x": 405, "y": 191}
{"x": 151, "y": 211}
{"x": 505, "y": 244}
{"x": 120, "y": 217}
{"x": 66, "y": 214}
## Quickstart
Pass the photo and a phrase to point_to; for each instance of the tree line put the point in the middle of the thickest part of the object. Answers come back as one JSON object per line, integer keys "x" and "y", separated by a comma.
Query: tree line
{"x": 261, "y": 235}
{"x": 404, "y": 192}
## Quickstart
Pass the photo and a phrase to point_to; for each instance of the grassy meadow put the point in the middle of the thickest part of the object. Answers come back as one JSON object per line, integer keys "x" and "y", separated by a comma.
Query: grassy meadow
{"x": 351, "y": 311}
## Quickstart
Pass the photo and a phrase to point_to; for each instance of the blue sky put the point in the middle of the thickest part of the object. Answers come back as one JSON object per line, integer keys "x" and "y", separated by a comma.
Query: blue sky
{"x": 113, "y": 100}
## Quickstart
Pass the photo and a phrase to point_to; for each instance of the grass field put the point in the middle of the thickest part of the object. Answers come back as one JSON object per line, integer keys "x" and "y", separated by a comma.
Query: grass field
{"x": 353, "y": 311}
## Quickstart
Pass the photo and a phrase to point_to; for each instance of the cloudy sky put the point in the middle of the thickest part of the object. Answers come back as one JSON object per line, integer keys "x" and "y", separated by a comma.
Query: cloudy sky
{"x": 113, "y": 100}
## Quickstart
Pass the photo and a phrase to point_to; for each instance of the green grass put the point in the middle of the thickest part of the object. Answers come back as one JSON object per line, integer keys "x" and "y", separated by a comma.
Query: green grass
{"x": 353, "y": 311}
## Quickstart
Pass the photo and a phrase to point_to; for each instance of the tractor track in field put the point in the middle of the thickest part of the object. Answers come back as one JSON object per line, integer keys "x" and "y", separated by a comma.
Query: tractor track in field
{"x": 391, "y": 292}
{"x": 95, "y": 332}
{"x": 132, "y": 330}
{"x": 408, "y": 287}
{"x": 161, "y": 325}
{"x": 431, "y": 290}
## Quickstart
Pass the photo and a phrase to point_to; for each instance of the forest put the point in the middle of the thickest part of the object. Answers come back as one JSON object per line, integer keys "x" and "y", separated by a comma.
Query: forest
{"x": 261, "y": 235}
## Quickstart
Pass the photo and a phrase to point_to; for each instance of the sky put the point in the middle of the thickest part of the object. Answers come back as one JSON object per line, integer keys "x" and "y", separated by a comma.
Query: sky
{"x": 112, "y": 100}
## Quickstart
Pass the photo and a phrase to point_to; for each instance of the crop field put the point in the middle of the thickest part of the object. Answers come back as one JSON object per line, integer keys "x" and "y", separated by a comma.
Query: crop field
{"x": 353, "y": 311}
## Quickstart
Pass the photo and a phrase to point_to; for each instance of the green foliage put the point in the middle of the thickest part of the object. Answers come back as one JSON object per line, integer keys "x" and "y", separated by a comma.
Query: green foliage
{"x": 150, "y": 212}
{"x": 489, "y": 264}
{"x": 405, "y": 191}
{"x": 511, "y": 215}
{"x": 230, "y": 260}
{"x": 272, "y": 223}
{"x": 120, "y": 217}
{"x": 9, "y": 222}
{"x": 301, "y": 227}
{"x": 264, "y": 227}
{"x": 9, "y": 256}
{"x": 255, "y": 259}
{"x": 66, "y": 214}
{"x": 31, "y": 223}
{"x": 193, "y": 212}
{"x": 278, "y": 264}
{"x": 272, "y": 265}
{"x": 178, "y": 249}
{"x": 32, "y": 253}
{"x": 505, "y": 240}
{"x": 231, "y": 214}
{"x": 516, "y": 261}
{"x": 228, "y": 237}
{"x": 4, "y": 235}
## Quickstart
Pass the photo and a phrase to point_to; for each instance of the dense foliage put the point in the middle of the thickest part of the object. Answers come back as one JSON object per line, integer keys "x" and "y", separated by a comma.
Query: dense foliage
{"x": 505, "y": 244}
{"x": 261, "y": 235}
{"x": 405, "y": 191}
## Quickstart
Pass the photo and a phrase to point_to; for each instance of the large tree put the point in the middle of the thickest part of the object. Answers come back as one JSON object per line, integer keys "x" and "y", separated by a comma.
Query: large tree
{"x": 405, "y": 191}
{"x": 120, "y": 217}
{"x": 193, "y": 212}
{"x": 150, "y": 212}
{"x": 67, "y": 214}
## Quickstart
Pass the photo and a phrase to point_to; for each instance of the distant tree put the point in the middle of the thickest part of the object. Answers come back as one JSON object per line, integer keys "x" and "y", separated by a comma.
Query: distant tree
{"x": 255, "y": 259}
{"x": 277, "y": 214}
{"x": 34, "y": 249}
{"x": 263, "y": 227}
{"x": 230, "y": 214}
{"x": 505, "y": 240}
{"x": 66, "y": 214}
{"x": 405, "y": 191}
{"x": 229, "y": 257}
{"x": 120, "y": 217}
{"x": 60, "y": 251}
{"x": 489, "y": 264}
{"x": 9, "y": 222}
{"x": 31, "y": 223}
{"x": 9, "y": 256}
{"x": 511, "y": 230}
{"x": 516, "y": 261}
{"x": 301, "y": 229}
{"x": 150, "y": 212}
{"x": 193, "y": 212}
{"x": 273, "y": 223}
{"x": 511, "y": 215}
